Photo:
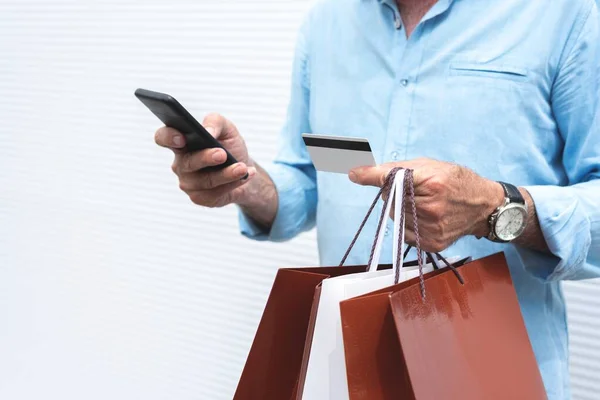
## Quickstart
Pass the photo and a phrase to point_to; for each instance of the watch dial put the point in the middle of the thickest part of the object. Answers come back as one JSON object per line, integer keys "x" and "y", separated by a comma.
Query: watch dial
{"x": 510, "y": 224}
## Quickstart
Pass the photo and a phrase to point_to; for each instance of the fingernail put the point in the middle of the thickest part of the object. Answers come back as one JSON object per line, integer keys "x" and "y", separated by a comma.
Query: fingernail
{"x": 217, "y": 156}
{"x": 352, "y": 175}
{"x": 177, "y": 141}
{"x": 210, "y": 130}
{"x": 239, "y": 170}
{"x": 251, "y": 172}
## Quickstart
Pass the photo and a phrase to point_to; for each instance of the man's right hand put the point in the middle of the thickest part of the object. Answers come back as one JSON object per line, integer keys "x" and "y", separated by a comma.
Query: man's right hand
{"x": 213, "y": 188}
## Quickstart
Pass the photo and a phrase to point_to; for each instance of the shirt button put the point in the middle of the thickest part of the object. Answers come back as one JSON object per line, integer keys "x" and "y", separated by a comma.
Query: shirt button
{"x": 387, "y": 231}
{"x": 404, "y": 82}
{"x": 395, "y": 155}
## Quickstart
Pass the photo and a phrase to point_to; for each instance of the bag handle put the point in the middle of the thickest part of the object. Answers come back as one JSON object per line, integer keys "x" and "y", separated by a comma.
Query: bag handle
{"x": 385, "y": 189}
{"x": 395, "y": 188}
{"x": 396, "y": 197}
{"x": 400, "y": 187}
{"x": 435, "y": 258}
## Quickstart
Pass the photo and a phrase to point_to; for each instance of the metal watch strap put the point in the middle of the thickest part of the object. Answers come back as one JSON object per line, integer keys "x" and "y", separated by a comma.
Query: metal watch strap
{"x": 512, "y": 193}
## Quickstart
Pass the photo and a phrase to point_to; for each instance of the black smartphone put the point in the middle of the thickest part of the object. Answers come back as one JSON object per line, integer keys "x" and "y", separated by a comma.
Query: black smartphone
{"x": 173, "y": 115}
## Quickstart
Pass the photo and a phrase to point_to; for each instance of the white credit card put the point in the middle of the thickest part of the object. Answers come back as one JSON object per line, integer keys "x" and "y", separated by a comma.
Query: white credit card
{"x": 338, "y": 154}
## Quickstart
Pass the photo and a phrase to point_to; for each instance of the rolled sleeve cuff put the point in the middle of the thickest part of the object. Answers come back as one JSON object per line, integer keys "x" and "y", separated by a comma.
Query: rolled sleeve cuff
{"x": 566, "y": 230}
{"x": 296, "y": 204}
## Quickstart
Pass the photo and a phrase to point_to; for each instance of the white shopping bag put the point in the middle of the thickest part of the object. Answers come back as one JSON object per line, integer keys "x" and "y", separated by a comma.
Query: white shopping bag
{"x": 326, "y": 371}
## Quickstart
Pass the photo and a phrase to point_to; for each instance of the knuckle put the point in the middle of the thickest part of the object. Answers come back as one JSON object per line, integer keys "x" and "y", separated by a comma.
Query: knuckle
{"x": 186, "y": 162}
{"x": 212, "y": 202}
{"x": 198, "y": 198}
{"x": 437, "y": 183}
{"x": 437, "y": 246}
{"x": 439, "y": 212}
{"x": 427, "y": 209}
{"x": 209, "y": 181}
{"x": 456, "y": 170}
{"x": 184, "y": 186}
{"x": 175, "y": 167}
{"x": 213, "y": 118}
{"x": 158, "y": 135}
{"x": 433, "y": 210}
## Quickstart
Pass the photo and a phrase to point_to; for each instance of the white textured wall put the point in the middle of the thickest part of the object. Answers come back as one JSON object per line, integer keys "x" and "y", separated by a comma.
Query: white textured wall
{"x": 112, "y": 285}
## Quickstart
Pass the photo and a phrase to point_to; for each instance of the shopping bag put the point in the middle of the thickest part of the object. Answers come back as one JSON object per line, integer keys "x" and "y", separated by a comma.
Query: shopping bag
{"x": 446, "y": 334}
{"x": 325, "y": 375}
{"x": 273, "y": 365}
{"x": 470, "y": 336}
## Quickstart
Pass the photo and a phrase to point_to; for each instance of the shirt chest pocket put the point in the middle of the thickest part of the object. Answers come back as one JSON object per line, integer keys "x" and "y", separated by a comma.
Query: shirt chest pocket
{"x": 485, "y": 96}
{"x": 488, "y": 104}
{"x": 477, "y": 72}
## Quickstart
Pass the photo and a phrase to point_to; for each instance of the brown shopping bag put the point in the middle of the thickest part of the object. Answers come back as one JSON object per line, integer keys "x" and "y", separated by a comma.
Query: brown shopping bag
{"x": 449, "y": 334}
{"x": 272, "y": 369}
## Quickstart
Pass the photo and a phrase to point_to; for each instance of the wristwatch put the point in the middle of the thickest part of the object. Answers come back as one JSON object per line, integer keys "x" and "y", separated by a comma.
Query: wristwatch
{"x": 510, "y": 219}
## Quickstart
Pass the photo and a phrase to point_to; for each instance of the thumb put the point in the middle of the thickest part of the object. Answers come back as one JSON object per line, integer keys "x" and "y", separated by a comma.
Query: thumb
{"x": 219, "y": 127}
{"x": 370, "y": 176}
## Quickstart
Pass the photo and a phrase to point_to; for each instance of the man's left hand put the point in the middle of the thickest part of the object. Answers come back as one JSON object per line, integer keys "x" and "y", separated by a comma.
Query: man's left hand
{"x": 451, "y": 201}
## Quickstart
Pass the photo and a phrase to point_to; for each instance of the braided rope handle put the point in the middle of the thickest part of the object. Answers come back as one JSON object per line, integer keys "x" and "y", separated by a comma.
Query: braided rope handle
{"x": 411, "y": 188}
{"x": 409, "y": 195}
{"x": 385, "y": 189}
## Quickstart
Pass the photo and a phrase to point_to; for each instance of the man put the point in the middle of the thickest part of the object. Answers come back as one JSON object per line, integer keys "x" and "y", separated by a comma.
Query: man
{"x": 467, "y": 93}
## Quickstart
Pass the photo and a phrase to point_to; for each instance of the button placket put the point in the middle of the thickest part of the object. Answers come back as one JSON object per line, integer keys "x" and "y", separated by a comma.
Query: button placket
{"x": 401, "y": 106}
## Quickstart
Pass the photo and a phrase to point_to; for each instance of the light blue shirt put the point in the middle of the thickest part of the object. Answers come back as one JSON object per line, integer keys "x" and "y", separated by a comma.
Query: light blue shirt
{"x": 508, "y": 88}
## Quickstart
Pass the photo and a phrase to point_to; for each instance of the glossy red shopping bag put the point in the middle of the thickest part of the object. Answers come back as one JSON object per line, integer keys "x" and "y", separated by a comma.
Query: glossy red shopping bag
{"x": 461, "y": 341}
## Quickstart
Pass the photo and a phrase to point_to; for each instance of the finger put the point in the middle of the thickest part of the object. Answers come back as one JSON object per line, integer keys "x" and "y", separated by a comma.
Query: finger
{"x": 423, "y": 218}
{"x": 376, "y": 176}
{"x": 370, "y": 176}
{"x": 219, "y": 197}
{"x": 192, "y": 162}
{"x": 169, "y": 138}
{"x": 218, "y": 126}
{"x": 409, "y": 220}
{"x": 409, "y": 237}
{"x": 214, "y": 179}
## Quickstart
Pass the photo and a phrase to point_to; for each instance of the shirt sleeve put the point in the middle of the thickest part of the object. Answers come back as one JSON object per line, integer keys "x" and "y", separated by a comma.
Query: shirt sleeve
{"x": 292, "y": 172}
{"x": 569, "y": 216}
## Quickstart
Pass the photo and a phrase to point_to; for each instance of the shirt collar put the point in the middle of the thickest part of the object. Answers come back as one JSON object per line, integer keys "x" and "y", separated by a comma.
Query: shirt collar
{"x": 438, "y": 8}
{"x": 388, "y": 2}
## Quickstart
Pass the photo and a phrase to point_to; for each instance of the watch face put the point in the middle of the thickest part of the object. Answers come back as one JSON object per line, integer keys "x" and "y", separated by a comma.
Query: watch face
{"x": 511, "y": 223}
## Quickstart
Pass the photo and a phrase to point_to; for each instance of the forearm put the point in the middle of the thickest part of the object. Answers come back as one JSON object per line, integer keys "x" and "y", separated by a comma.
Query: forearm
{"x": 532, "y": 237}
{"x": 280, "y": 204}
{"x": 260, "y": 200}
